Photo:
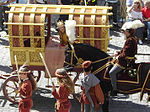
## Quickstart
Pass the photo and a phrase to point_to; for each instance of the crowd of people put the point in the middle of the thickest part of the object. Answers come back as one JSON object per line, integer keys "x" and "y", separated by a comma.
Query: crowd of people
{"x": 140, "y": 10}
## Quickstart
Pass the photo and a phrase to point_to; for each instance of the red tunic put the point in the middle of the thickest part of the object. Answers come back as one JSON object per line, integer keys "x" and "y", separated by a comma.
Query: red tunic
{"x": 96, "y": 94}
{"x": 129, "y": 50}
{"x": 26, "y": 102}
{"x": 63, "y": 103}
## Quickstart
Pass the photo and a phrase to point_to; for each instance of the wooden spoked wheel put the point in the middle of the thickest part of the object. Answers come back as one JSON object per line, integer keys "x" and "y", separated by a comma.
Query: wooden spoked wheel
{"x": 10, "y": 89}
{"x": 11, "y": 86}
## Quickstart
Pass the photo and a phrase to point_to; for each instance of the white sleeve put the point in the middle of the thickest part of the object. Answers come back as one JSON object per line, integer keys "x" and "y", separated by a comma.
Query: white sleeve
{"x": 141, "y": 16}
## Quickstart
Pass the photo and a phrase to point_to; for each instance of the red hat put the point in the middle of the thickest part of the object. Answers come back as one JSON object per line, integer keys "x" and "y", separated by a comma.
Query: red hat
{"x": 62, "y": 73}
{"x": 86, "y": 64}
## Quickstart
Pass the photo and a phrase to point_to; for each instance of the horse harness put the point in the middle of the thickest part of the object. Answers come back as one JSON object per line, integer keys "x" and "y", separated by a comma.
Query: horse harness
{"x": 80, "y": 60}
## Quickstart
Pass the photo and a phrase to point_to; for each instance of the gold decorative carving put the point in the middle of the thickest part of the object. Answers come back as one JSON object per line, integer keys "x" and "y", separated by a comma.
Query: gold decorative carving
{"x": 34, "y": 57}
{"x": 21, "y": 56}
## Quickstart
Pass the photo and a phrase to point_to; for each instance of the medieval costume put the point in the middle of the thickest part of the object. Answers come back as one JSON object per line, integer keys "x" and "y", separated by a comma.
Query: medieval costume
{"x": 92, "y": 96}
{"x": 26, "y": 102}
{"x": 128, "y": 52}
{"x": 63, "y": 103}
{"x": 66, "y": 86}
{"x": 27, "y": 87}
{"x": 66, "y": 32}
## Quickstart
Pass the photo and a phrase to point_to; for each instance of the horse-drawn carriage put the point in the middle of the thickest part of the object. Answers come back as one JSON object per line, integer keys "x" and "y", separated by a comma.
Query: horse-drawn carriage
{"x": 29, "y": 33}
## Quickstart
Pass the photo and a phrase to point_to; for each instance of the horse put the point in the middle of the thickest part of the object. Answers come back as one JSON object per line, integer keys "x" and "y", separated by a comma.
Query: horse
{"x": 129, "y": 81}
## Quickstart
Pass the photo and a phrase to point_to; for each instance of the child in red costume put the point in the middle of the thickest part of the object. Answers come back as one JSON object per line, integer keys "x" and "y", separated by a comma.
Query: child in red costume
{"x": 28, "y": 85}
{"x": 66, "y": 86}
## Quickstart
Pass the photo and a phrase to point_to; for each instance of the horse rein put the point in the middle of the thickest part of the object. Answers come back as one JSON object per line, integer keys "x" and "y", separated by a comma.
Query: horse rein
{"x": 80, "y": 60}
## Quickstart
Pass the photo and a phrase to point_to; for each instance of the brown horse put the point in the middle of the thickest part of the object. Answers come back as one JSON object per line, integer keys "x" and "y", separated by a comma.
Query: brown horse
{"x": 129, "y": 81}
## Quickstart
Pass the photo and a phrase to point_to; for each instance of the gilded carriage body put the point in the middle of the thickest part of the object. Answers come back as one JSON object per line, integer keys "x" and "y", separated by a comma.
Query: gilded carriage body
{"x": 29, "y": 30}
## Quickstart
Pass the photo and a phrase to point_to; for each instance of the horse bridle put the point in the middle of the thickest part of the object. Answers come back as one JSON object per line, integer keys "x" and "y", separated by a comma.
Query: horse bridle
{"x": 73, "y": 54}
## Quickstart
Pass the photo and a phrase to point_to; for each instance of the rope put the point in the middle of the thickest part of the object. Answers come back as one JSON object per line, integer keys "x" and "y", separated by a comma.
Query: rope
{"x": 102, "y": 59}
{"x": 101, "y": 68}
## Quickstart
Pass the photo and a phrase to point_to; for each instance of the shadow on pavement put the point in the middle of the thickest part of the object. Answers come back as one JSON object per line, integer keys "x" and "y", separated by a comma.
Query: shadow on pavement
{"x": 120, "y": 96}
{"x": 123, "y": 106}
{"x": 115, "y": 32}
{"x": 43, "y": 102}
{"x": 3, "y": 101}
{"x": 114, "y": 47}
{"x": 4, "y": 42}
{"x": 6, "y": 69}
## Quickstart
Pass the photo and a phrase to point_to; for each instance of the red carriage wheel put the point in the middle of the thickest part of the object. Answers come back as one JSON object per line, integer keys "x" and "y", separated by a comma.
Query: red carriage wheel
{"x": 10, "y": 89}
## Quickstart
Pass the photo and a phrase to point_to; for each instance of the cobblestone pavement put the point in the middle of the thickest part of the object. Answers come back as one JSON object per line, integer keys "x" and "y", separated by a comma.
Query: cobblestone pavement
{"x": 43, "y": 100}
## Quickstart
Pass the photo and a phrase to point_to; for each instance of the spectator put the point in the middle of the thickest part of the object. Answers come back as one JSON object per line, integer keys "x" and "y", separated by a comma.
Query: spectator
{"x": 26, "y": 1}
{"x": 135, "y": 13}
{"x": 4, "y": 7}
{"x": 114, "y": 17}
{"x": 41, "y": 1}
{"x": 64, "y": 2}
{"x": 146, "y": 16}
{"x": 89, "y": 2}
{"x": 129, "y": 3}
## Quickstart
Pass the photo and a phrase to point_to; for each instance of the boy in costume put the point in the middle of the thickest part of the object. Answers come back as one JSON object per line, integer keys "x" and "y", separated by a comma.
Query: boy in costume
{"x": 92, "y": 96}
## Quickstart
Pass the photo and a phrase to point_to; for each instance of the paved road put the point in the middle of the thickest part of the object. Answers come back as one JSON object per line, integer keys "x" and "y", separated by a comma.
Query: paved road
{"x": 43, "y": 100}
